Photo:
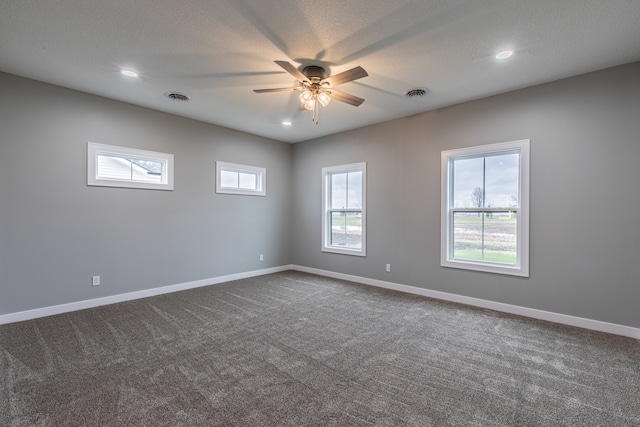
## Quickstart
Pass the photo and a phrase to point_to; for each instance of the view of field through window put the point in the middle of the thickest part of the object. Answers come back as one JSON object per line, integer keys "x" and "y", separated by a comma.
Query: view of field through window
{"x": 485, "y": 207}
{"x": 485, "y": 237}
{"x": 346, "y": 209}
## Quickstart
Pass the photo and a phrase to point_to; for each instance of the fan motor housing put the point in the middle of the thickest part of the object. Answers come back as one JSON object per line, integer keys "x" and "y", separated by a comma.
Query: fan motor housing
{"x": 314, "y": 71}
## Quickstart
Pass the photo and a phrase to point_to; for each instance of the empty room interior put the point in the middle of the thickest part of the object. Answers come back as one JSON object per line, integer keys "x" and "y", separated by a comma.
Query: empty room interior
{"x": 241, "y": 212}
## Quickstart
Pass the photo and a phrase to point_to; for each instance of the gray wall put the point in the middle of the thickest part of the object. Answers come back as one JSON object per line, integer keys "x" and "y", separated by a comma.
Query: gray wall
{"x": 56, "y": 232}
{"x": 585, "y": 195}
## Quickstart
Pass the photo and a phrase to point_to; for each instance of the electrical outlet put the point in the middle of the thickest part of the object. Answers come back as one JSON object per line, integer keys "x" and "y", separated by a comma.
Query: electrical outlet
{"x": 95, "y": 281}
{"x": 261, "y": 257}
{"x": 388, "y": 268}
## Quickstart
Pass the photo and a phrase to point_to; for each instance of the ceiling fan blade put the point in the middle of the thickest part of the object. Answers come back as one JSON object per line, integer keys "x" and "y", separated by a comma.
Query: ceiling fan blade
{"x": 278, "y": 89}
{"x": 292, "y": 70}
{"x": 346, "y": 76}
{"x": 344, "y": 97}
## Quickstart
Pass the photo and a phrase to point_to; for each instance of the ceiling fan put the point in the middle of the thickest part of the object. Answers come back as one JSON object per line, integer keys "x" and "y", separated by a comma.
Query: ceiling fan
{"x": 316, "y": 87}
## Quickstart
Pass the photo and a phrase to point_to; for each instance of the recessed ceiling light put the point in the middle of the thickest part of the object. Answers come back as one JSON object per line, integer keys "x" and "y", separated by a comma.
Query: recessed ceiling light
{"x": 286, "y": 123}
{"x": 504, "y": 54}
{"x": 129, "y": 73}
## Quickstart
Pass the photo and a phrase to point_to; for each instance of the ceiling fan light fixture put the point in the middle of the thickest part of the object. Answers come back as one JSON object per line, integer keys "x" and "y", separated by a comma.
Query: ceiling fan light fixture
{"x": 314, "y": 86}
{"x": 311, "y": 97}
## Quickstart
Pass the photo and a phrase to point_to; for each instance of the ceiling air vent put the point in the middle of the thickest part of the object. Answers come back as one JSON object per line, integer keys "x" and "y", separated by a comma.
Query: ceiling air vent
{"x": 177, "y": 96}
{"x": 417, "y": 93}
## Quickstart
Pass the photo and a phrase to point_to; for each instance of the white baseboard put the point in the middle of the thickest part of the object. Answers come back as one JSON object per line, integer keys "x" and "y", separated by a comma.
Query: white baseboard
{"x": 97, "y": 302}
{"x": 564, "y": 319}
{"x": 580, "y": 322}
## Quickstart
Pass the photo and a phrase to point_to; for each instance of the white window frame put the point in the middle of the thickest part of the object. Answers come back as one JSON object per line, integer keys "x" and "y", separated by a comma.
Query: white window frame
{"x": 326, "y": 211}
{"x": 259, "y": 172}
{"x": 521, "y": 266}
{"x": 95, "y": 149}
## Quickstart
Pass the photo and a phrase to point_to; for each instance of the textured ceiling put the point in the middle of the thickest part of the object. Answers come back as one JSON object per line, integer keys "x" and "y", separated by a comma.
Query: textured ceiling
{"x": 218, "y": 51}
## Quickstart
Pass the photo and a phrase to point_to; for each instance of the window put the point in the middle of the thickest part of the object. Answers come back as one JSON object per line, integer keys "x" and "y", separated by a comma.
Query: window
{"x": 232, "y": 178}
{"x": 343, "y": 206}
{"x": 485, "y": 208}
{"x": 112, "y": 166}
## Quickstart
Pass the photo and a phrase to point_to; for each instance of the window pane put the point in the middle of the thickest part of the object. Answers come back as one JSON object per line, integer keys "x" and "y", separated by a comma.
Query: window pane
{"x": 500, "y": 237}
{"x": 354, "y": 188}
{"x": 467, "y": 235}
{"x": 346, "y": 229}
{"x": 501, "y": 181}
{"x": 143, "y": 175}
{"x": 488, "y": 236}
{"x": 112, "y": 167}
{"x": 152, "y": 167}
{"x": 229, "y": 179}
{"x": 468, "y": 182}
{"x": 247, "y": 181}
{"x": 338, "y": 190}
{"x": 122, "y": 168}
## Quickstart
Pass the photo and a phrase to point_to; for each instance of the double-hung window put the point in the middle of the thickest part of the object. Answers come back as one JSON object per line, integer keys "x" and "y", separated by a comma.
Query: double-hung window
{"x": 112, "y": 166}
{"x": 343, "y": 209}
{"x": 485, "y": 208}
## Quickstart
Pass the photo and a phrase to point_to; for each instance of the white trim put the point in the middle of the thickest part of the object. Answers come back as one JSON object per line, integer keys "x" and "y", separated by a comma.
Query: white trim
{"x": 259, "y": 172}
{"x": 549, "y": 316}
{"x": 94, "y": 149}
{"x": 521, "y": 268}
{"x": 533, "y": 313}
{"x": 97, "y": 302}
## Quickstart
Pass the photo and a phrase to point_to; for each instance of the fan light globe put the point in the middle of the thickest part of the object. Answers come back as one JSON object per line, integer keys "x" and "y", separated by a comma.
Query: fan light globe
{"x": 310, "y": 104}
{"x": 324, "y": 99}
{"x": 305, "y": 96}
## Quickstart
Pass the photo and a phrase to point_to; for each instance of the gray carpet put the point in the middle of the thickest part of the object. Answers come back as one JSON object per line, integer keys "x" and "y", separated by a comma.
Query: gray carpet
{"x": 294, "y": 349}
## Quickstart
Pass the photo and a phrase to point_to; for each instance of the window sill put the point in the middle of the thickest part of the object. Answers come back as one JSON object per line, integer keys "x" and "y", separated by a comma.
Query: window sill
{"x": 337, "y": 250}
{"x": 486, "y": 267}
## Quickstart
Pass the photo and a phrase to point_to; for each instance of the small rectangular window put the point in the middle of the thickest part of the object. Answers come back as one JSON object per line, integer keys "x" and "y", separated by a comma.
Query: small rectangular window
{"x": 485, "y": 208}
{"x": 343, "y": 205}
{"x": 232, "y": 178}
{"x": 112, "y": 166}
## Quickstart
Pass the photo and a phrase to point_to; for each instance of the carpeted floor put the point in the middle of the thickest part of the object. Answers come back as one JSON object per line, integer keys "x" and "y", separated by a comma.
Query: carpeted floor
{"x": 294, "y": 349}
